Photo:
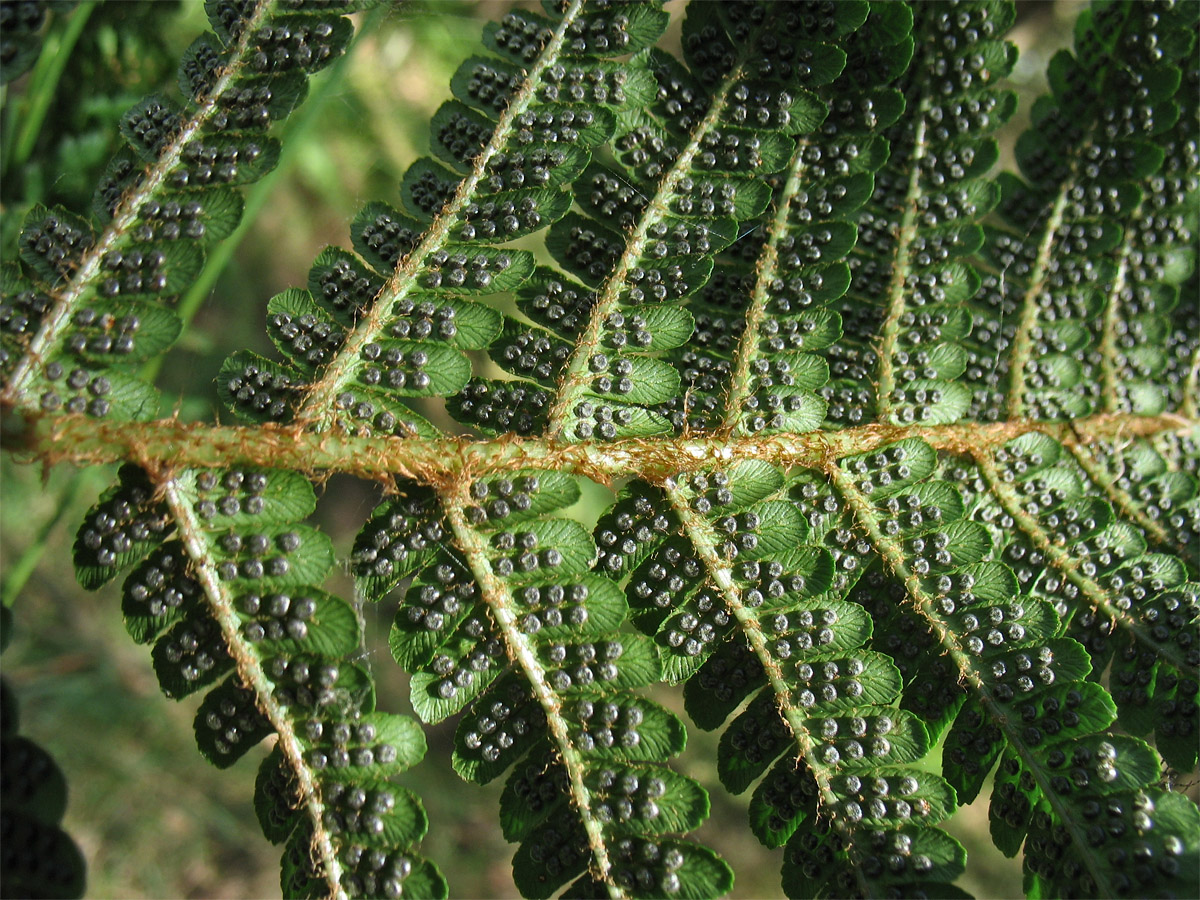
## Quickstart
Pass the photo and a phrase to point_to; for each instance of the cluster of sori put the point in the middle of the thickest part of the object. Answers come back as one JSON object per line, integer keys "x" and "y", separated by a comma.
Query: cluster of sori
{"x": 1078, "y": 302}
{"x": 397, "y": 322}
{"x": 230, "y": 604}
{"x": 506, "y": 620}
{"x": 39, "y": 859}
{"x": 85, "y": 301}
{"x": 502, "y": 407}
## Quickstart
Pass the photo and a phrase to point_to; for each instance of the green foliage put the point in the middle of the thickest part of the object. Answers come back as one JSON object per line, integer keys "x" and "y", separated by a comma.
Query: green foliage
{"x": 906, "y": 450}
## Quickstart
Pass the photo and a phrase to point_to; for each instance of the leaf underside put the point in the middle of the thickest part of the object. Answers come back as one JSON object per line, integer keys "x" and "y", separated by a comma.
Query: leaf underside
{"x": 905, "y": 451}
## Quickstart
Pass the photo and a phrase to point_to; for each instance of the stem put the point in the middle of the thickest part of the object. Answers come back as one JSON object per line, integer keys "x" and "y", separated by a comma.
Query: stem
{"x": 1022, "y": 345}
{"x": 741, "y": 380}
{"x": 1108, "y": 337}
{"x": 86, "y": 441}
{"x": 968, "y": 666}
{"x": 117, "y": 231}
{"x": 900, "y": 271}
{"x": 498, "y": 597}
{"x": 251, "y": 674}
{"x": 318, "y": 409}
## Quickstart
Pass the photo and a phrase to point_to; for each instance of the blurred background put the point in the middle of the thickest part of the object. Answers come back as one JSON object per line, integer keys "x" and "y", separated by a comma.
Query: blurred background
{"x": 152, "y": 817}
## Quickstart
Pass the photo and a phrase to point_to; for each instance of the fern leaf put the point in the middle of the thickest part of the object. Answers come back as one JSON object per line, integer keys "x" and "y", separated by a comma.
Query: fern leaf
{"x": 1154, "y": 257}
{"x": 1001, "y": 644}
{"x": 1096, "y": 145}
{"x": 1006, "y": 666}
{"x": 84, "y": 302}
{"x": 362, "y": 340}
{"x": 1143, "y": 488}
{"x": 921, "y": 222}
{"x": 743, "y": 571}
{"x": 683, "y": 176}
{"x": 506, "y": 620}
{"x": 225, "y": 591}
{"x": 776, "y": 368}
{"x": 1118, "y": 598}
{"x": 886, "y": 477}
{"x": 1162, "y": 827}
{"x": 825, "y": 708}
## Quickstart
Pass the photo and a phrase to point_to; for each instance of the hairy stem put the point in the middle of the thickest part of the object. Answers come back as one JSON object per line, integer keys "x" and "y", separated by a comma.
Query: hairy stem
{"x": 1110, "y": 377}
{"x": 498, "y": 597}
{"x": 64, "y": 298}
{"x": 84, "y": 441}
{"x": 251, "y": 674}
{"x": 318, "y": 408}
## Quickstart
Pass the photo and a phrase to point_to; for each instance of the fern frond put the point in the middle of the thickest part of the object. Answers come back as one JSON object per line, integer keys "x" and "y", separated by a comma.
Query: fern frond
{"x": 505, "y": 619}
{"x": 226, "y": 592}
{"x": 1156, "y": 254}
{"x": 683, "y": 177}
{"x": 363, "y": 339}
{"x": 1001, "y": 646}
{"x": 921, "y": 224}
{"x": 1144, "y": 489}
{"x": 1095, "y": 150}
{"x": 854, "y": 817}
{"x": 1125, "y": 603}
{"x": 886, "y": 477}
{"x": 745, "y": 602}
{"x": 800, "y": 271}
{"x": 84, "y": 302}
